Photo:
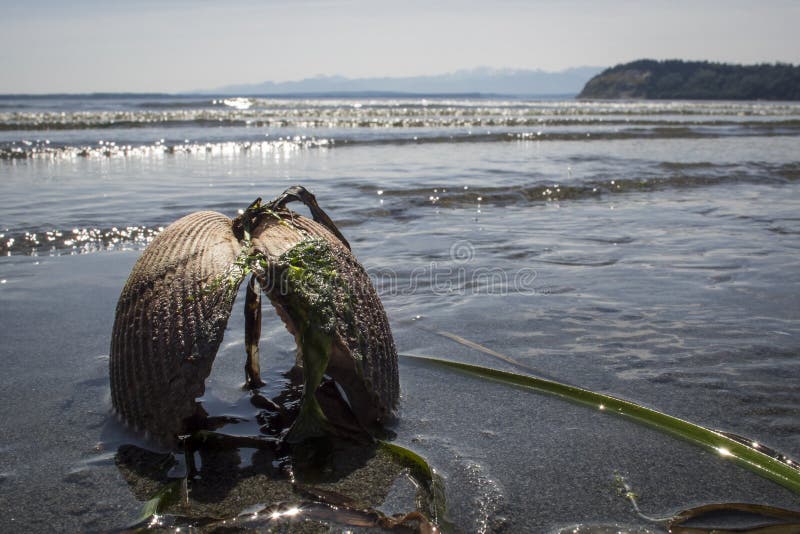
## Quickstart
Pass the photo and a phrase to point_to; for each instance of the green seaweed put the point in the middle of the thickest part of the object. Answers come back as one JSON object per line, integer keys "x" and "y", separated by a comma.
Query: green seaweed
{"x": 746, "y": 456}
{"x": 305, "y": 280}
{"x": 318, "y": 296}
{"x": 422, "y": 472}
{"x": 314, "y": 294}
{"x": 312, "y": 283}
{"x": 256, "y": 211}
{"x": 246, "y": 262}
{"x": 311, "y": 421}
{"x": 165, "y": 497}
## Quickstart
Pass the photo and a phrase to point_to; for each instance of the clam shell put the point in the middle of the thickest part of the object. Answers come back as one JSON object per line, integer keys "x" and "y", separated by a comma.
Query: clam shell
{"x": 169, "y": 323}
{"x": 172, "y": 313}
{"x": 364, "y": 359}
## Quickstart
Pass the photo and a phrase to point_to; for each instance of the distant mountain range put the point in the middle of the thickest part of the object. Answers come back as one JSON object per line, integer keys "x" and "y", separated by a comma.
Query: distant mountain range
{"x": 481, "y": 81}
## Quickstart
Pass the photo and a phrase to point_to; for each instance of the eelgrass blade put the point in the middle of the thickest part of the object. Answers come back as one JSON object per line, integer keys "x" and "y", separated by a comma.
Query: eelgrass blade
{"x": 786, "y": 473}
{"x": 481, "y": 348}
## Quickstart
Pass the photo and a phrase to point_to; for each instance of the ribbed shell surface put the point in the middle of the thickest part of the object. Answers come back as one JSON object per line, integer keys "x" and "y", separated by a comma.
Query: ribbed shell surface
{"x": 364, "y": 331}
{"x": 169, "y": 323}
{"x": 366, "y": 364}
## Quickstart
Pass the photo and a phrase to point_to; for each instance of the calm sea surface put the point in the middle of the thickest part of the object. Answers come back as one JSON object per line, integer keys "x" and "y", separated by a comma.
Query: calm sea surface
{"x": 650, "y": 250}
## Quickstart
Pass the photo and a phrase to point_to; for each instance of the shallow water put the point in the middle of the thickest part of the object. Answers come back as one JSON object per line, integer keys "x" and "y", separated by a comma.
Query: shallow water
{"x": 646, "y": 250}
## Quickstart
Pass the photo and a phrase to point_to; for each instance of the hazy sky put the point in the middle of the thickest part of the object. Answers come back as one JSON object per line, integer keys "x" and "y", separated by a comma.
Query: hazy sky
{"x": 175, "y": 45}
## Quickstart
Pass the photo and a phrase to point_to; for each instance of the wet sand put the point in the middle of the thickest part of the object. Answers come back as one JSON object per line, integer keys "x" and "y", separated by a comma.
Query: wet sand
{"x": 507, "y": 456}
{"x": 648, "y": 250}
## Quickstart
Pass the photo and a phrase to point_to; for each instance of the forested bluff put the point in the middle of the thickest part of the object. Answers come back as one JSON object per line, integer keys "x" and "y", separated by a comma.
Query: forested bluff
{"x": 695, "y": 80}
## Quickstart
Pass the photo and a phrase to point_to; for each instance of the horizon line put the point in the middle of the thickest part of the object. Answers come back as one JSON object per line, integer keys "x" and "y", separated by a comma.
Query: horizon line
{"x": 316, "y": 94}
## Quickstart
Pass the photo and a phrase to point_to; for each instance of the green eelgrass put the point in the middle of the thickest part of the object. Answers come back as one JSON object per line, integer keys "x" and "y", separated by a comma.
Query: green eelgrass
{"x": 421, "y": 471}
{"x": 747, "y": 456}
{"x": 165, "y": 497}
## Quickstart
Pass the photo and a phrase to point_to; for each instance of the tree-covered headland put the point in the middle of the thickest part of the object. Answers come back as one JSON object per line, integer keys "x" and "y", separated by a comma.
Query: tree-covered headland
{"x": 695, "y": 80}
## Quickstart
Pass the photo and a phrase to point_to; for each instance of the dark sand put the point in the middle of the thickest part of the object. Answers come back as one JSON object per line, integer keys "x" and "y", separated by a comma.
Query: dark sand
{"x": 508, "y": 457}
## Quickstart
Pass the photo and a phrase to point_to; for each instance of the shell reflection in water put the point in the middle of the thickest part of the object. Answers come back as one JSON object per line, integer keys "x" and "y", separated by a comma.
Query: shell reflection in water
{"x": 346, "y": 485}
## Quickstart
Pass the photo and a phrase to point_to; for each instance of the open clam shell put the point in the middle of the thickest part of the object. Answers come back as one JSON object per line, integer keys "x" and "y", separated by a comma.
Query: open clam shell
{"x": 173, "y": 310}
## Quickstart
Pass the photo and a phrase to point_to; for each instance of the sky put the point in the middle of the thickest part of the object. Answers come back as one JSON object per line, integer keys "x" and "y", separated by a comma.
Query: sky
{"x": 49, "y": 46}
